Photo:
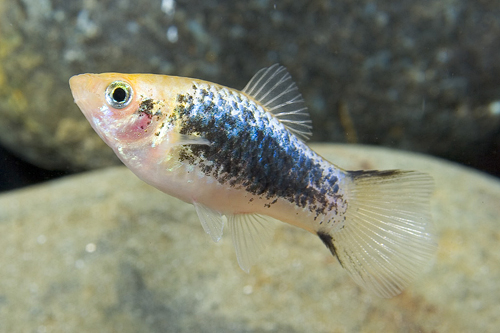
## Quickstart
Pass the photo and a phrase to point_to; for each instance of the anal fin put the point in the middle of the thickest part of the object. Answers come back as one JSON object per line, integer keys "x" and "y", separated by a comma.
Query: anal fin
{"x": 250, "y": 234}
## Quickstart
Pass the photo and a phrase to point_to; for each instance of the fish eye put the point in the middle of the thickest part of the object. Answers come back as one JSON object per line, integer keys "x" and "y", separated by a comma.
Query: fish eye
{"x": 119, "y": 94}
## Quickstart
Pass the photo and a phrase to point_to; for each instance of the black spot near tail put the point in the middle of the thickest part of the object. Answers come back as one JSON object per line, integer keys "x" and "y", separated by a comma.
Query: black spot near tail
{"x": 374, "y": 173}
{"x": 327, "y": 239}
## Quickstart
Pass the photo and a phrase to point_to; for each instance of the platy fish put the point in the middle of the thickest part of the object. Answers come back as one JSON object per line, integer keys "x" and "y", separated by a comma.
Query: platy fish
{"x": 241, "y": 159}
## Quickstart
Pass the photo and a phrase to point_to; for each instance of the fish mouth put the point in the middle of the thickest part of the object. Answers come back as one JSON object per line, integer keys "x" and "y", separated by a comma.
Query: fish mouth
{"x": 85, "y": 89}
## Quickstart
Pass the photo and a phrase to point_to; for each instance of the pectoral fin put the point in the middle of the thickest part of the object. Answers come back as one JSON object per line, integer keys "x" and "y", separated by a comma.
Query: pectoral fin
{"x": 185, "y": 139}
{"x": 178, "y": 139}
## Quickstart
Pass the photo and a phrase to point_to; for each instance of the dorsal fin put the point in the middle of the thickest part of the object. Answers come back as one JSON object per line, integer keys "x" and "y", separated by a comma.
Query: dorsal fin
{"x": 274, "y": 89}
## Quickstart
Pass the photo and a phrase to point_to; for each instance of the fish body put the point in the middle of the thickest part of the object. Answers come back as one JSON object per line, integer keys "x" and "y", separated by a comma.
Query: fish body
{"x": 240, "y": 158}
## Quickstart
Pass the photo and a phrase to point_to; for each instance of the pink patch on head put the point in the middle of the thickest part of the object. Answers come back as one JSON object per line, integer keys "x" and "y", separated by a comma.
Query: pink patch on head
{"x": 143, "y": 121}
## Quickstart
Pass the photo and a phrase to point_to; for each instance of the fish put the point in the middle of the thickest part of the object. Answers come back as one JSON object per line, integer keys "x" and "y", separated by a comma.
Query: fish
{"x": 241, "y": 158}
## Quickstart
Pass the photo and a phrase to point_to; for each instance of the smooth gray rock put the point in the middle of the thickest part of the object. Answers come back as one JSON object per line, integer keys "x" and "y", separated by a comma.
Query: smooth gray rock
{"x": 105, "y": 252}
{"x": 417, "y": 75}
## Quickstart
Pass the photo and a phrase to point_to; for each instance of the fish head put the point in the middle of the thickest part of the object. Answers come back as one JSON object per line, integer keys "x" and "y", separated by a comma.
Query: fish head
{"x": 121, "y": 108}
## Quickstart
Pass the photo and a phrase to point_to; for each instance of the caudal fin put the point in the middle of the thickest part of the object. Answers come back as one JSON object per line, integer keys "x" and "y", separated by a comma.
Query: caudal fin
{"x": 386, "y": 239}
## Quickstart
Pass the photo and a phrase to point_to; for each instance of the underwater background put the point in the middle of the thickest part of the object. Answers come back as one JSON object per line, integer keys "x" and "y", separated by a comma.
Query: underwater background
{"x": 414, "y": 75}
{"x": 103, "y": 251}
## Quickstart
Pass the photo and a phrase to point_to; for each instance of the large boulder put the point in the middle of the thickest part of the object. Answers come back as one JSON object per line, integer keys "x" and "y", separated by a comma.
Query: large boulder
{"x": 105, "y": 252}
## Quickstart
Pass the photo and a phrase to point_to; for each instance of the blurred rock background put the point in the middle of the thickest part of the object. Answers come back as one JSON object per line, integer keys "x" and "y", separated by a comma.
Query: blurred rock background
{"x": 416, "y": 75}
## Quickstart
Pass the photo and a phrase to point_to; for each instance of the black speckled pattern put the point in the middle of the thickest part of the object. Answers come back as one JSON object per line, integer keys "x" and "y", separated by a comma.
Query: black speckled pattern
{"x": 250, "y": 149}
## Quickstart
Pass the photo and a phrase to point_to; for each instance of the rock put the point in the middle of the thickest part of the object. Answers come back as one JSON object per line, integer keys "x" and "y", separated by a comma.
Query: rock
{"x": 105, "y": 252}
{"x": 417, "y": 76}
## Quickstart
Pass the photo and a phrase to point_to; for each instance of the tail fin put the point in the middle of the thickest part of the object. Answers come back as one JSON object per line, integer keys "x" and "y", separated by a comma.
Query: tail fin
{"x": 386, "y": 239}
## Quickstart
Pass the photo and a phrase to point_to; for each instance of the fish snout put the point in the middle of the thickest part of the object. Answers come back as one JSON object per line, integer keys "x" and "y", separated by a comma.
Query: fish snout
{"x": 80, "y": 85}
